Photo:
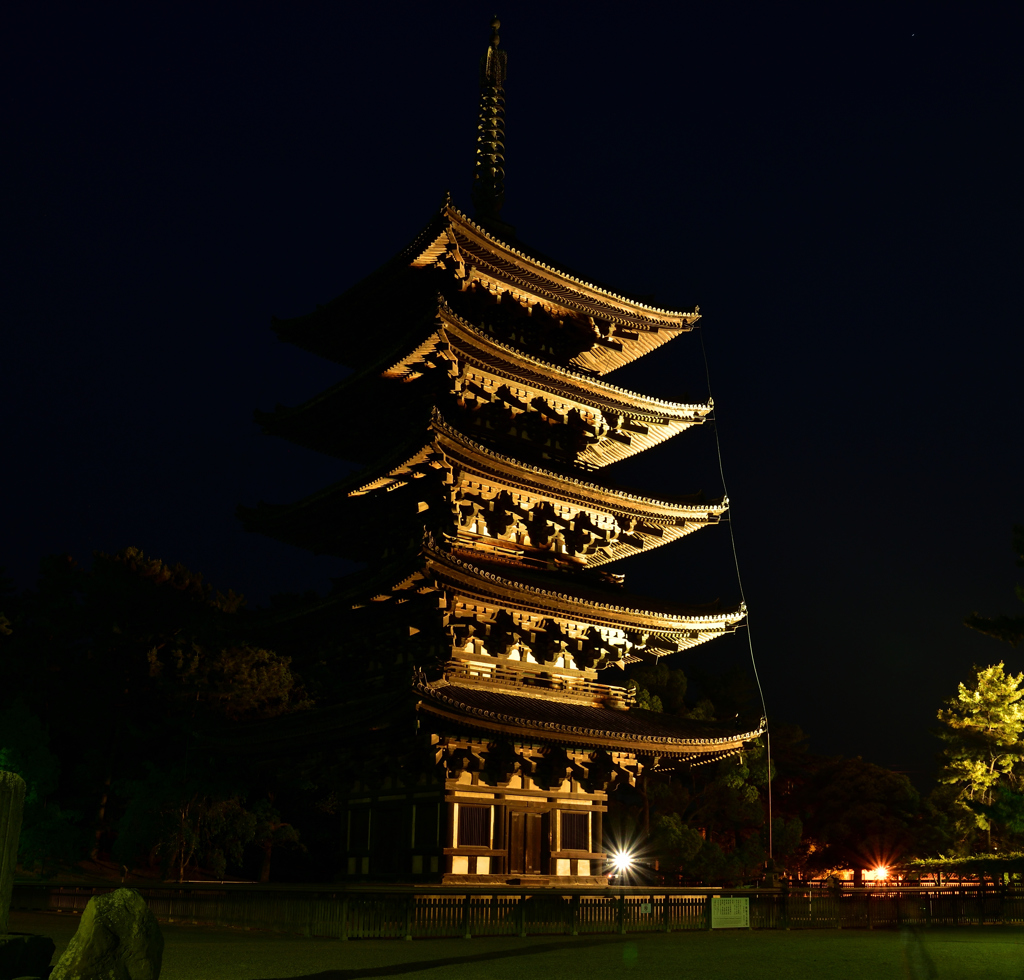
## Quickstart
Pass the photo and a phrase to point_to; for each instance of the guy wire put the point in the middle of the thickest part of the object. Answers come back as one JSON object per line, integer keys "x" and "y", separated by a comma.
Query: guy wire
{"x": 743, "y": 597}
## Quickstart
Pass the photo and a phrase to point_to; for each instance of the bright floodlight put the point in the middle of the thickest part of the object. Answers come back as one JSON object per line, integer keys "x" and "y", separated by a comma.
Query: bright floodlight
{"x": 622, "y": 861}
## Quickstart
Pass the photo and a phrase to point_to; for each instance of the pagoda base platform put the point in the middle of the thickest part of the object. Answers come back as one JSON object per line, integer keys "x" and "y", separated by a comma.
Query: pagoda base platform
{"x": 530, "y": 881}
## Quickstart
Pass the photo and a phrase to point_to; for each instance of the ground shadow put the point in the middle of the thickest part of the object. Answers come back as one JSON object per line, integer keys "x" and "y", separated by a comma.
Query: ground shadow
{"x": 416, "y": 966}
{"x": 916, "y": 960}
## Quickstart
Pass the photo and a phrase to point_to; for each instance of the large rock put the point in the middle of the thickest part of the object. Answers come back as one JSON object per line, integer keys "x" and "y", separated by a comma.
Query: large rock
{"x": 25, "y": 955}
{"x": 117, "y": 939}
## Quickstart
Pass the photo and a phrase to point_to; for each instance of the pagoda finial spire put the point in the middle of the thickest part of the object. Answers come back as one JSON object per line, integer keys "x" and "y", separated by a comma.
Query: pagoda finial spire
{"x": 489, "y": 172}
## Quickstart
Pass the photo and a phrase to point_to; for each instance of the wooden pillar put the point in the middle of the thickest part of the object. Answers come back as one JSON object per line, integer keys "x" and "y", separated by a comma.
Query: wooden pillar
{"x": 499, "y": 865}
{"x": 12, "y": 802}
{"x": 547, "y": 821}
{"x": 449, "y": 836}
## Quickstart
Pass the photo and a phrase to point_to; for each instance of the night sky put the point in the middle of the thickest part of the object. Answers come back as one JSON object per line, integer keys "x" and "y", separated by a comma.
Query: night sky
{"x": 837, "y": 188}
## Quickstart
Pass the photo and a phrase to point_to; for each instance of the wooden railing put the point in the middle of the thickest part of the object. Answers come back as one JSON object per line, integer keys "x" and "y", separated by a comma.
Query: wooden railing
{"x": 382, "y": 912}
{"x": 559, "y": 686}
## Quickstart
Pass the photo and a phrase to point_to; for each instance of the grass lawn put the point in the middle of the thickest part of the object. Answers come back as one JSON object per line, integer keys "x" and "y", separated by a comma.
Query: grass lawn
{"x": 198, "y": 953}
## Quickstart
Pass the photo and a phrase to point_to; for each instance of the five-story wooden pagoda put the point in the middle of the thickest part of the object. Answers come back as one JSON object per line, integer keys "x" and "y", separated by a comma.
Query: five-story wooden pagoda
{"x": 475, "y": 637}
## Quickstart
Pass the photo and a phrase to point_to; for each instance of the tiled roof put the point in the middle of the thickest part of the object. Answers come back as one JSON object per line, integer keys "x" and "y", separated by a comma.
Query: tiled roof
{"x": 572, "y": 588}
{"x": 636, "y": 729}
{"x": 321, "y": 521}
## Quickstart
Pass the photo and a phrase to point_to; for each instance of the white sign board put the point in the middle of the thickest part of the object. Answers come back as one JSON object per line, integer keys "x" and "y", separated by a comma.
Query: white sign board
{"x": 730, "y": 913}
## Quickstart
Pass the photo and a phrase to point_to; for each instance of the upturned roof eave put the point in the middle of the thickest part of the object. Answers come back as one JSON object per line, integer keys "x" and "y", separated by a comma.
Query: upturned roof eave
{"x": 614, "y": 396}
{"x": 264, "y": 516}
{"x": 304, "y": 330}
{"x": 305, "y": 424}
{"x": 424, "y": 571}
{"x": 683, "y": 318}
{"x": 580, "y": 735}
{"x": 569, "y": 600}
{"x": 579, "y": 488}
{"x": 380, "y": 713}
{"x": 451, "y": 215}
{"x": 593, "y": 391}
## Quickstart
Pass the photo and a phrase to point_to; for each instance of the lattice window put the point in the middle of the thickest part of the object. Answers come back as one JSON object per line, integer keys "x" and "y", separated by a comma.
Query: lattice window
{"x": 575, "y": 831}
{"x": 474, "y": 826}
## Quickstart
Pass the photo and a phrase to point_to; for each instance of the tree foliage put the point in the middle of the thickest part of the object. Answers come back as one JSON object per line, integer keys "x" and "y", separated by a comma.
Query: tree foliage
{"x": 661, "y": 688}
{"x": 706, "y": 823}
{"x": 50, "y": 834}
{"x": 181, "y": 820}
{"x": 982, "y": 729}
{"x": 829, "y": 813}
{"x": 858, "y": 815}
{"x": 123, "y": 663}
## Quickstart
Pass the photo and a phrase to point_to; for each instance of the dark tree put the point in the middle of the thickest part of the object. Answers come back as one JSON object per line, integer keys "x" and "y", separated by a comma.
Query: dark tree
{"x": 1007, "y": 628}
{"x": 857, "y": 815}
{"x": 123, "y": 664}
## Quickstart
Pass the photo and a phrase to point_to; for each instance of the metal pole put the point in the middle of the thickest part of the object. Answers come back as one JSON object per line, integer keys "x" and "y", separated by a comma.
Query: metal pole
{"x": 771, "y": 847}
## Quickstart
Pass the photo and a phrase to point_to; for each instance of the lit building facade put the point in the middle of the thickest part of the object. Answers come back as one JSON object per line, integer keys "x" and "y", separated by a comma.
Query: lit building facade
{"x": 484, "y": 736}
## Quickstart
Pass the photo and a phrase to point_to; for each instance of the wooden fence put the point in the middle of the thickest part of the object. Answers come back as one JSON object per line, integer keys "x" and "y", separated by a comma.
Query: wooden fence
{"x": 365, "y": 912}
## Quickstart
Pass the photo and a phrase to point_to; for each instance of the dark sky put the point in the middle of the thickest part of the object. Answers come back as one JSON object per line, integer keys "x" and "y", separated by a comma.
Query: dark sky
{"x": 838, "y": 188}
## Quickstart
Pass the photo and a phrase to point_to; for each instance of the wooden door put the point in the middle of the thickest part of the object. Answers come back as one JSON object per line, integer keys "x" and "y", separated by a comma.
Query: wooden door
{"x": 515, "y": 842}
{"x": 532, "y": 844}
{"x": 525, "y": 833}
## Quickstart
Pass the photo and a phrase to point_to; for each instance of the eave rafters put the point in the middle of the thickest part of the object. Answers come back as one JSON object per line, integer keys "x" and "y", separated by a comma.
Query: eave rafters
{"x": 517, "y": 510}
{"x": 617, "y": 423}
{"x": 475, "y": 256}
{"x": 499, "y": 620}
{"x": 680, "y": 630}
{"x": 468, "y": 453}
{"x": 680, "y": 749}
